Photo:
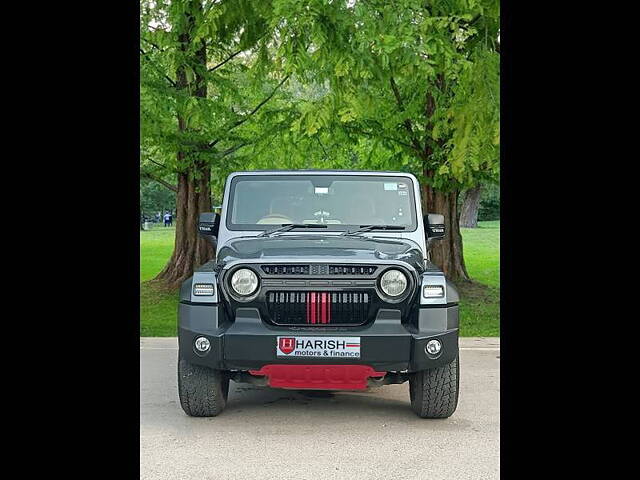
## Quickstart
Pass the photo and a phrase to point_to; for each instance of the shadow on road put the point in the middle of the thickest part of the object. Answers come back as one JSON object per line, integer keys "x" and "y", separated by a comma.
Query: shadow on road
{"x": 388, "y": 402}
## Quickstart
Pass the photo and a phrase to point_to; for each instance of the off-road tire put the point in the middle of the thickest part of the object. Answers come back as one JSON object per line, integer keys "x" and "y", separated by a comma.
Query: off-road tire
{"x": 203, "y": 391}
{"x": 434, "y": 392}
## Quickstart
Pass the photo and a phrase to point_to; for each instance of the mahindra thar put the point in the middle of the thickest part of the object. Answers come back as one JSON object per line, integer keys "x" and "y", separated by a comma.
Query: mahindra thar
{"x": 322, "y": 281}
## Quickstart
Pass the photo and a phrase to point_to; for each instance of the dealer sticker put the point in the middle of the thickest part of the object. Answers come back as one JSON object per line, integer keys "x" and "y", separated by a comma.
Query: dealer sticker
{"x": 322, "y": 347}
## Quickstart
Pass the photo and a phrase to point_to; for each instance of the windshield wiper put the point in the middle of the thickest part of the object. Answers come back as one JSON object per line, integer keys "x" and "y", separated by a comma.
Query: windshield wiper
{"x": 366, "y": 228}
{"x": 289, "y": 226}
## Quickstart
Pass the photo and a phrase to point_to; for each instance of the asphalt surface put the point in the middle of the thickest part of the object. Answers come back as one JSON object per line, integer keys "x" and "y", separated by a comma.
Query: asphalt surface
{"x": 268, "y": 433}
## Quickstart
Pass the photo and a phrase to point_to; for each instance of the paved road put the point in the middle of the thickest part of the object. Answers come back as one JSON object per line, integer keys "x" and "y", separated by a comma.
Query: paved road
{"x": 267, "y": 433}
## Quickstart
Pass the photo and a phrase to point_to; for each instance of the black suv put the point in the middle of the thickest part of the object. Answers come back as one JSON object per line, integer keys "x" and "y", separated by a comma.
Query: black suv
{"x": 321, "y": 280}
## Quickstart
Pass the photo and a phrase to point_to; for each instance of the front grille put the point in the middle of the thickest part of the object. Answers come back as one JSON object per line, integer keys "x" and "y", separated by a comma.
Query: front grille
{"x": 352, "y": 269}
{"x": 319, "y": 269}
{"x": 318, "y": 308}
{"x": 286, "y": 269}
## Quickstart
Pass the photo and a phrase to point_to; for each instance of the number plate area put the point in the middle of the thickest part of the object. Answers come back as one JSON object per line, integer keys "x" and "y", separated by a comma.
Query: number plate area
{"x": 318, "y": 347}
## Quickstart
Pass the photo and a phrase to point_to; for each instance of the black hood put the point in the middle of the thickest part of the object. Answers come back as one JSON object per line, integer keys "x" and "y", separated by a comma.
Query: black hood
{"x": 321, "y": 248}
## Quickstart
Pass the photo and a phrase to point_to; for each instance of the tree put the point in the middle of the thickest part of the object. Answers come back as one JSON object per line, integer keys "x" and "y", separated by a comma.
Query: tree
{"x": 420, "y": 81}
{"x": 470, "y": 207}
{"x": 234, "y": 84}
{"x": 197, "y": 91}
{"x": 480, "y": 203}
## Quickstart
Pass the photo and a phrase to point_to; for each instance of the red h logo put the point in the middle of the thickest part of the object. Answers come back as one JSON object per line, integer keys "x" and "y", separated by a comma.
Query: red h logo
{"x": 287, "y": 344}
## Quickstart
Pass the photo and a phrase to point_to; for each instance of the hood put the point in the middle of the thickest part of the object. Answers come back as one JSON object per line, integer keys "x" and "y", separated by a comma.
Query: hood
{"x": 321, "y": 248}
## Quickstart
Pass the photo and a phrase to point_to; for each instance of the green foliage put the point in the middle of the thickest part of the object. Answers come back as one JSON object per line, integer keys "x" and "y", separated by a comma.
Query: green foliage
{"x": 489, "y": 203}
{"x": 155, "y": 197}
{"x": 202, "y": 113}
{"x": 475, "y": 114}
{"x": 368, "y": 84}
{"x": 416, "y": 85}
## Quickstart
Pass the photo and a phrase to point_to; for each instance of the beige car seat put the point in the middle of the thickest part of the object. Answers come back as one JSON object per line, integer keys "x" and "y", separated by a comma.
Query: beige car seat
{"x": 279, "y": 212}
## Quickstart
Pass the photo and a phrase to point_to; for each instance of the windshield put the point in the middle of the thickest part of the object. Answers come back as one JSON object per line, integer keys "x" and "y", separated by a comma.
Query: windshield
{"x": 342, "y": 202}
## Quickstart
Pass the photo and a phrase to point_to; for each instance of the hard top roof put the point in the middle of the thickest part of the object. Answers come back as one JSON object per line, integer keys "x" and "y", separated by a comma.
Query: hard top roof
{"x": 319, "y": 171}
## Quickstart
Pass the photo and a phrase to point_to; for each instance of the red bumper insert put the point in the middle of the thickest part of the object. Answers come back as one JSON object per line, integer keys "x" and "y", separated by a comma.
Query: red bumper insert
{"x": 318, "y": 377}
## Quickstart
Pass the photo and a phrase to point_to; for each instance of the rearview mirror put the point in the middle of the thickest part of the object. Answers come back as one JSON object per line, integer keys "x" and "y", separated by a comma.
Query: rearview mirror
{"x": 209, "y": 224}
{"x": 434, "y": 225}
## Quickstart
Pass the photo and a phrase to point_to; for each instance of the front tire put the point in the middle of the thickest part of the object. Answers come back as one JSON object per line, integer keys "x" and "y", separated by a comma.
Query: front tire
{"x": 203, "y": 391}
{"x": 434, "y": 392}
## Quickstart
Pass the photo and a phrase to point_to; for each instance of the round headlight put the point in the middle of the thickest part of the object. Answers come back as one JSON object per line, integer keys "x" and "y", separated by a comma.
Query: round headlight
{"x": 393, "y": 283}
{"x": 244, "y": 282}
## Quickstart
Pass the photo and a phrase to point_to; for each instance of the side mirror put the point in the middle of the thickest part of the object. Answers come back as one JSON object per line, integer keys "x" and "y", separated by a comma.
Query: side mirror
{"x": 209, "y": 224}
{"x": 434, "y": 226}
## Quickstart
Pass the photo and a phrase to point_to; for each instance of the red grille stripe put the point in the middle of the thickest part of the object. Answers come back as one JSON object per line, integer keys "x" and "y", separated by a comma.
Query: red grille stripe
{"x": 313, "y": 307}
{"x": 316, "y": 308}
{"x": 323, "y": 314}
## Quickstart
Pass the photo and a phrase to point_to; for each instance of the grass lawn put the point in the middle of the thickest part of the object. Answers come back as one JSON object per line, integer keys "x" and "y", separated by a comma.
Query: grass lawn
{"x": 156, "y": 246}
{"x": 479, "y": 303}
{"x": 158, "y": 310}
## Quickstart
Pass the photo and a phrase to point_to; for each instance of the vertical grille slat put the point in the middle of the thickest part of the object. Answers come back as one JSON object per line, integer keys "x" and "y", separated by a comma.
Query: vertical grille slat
{"x": 318, "y": 308}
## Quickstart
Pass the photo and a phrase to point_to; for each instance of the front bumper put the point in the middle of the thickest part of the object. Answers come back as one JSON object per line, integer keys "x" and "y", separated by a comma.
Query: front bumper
{"x": 249, "y": 344}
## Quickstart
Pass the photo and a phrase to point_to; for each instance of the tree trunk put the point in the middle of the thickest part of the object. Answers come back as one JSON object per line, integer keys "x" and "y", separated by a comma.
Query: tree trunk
{"x": 446, "y": 253}
{"x": 194, "y": 180}
{"x": 470, "y": 207}
{"x": 190, "y": 250}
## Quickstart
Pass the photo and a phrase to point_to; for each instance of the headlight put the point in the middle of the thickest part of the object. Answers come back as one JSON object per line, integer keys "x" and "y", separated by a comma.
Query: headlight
{"x": 393, "y": 283}
{"x": 244, "y": 282}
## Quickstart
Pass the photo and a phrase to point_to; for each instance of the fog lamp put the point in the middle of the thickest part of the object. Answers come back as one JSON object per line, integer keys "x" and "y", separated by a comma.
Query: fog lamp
{"x": 433, "y": 291}
{"x": 202, "y": 344}
{"x": 433, "y": 347}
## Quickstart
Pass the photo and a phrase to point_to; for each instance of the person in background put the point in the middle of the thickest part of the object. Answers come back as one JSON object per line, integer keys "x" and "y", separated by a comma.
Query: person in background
{"x": 167, "y": 219}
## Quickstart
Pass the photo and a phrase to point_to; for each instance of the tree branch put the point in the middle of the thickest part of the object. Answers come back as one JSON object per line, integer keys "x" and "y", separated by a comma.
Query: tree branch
{"x": 326, "y": 155}
{"x": 159, "y": 164}
{"x": 377, "y": 135}
{"x": 229, "y": 151}
{"x": 430, "y": 107}
{"x": 225, "y": 61}
{"x": 160, "y": 181}
{"x": 158, "y": 69}
{"x": 234, "y": 55}
{"x": 252, "y": 112}
{"x": 152, "y": 44}
{"x": 406, "y": 122}
{"x": 259, "y": 106}
{"x": 474, "y": 20}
